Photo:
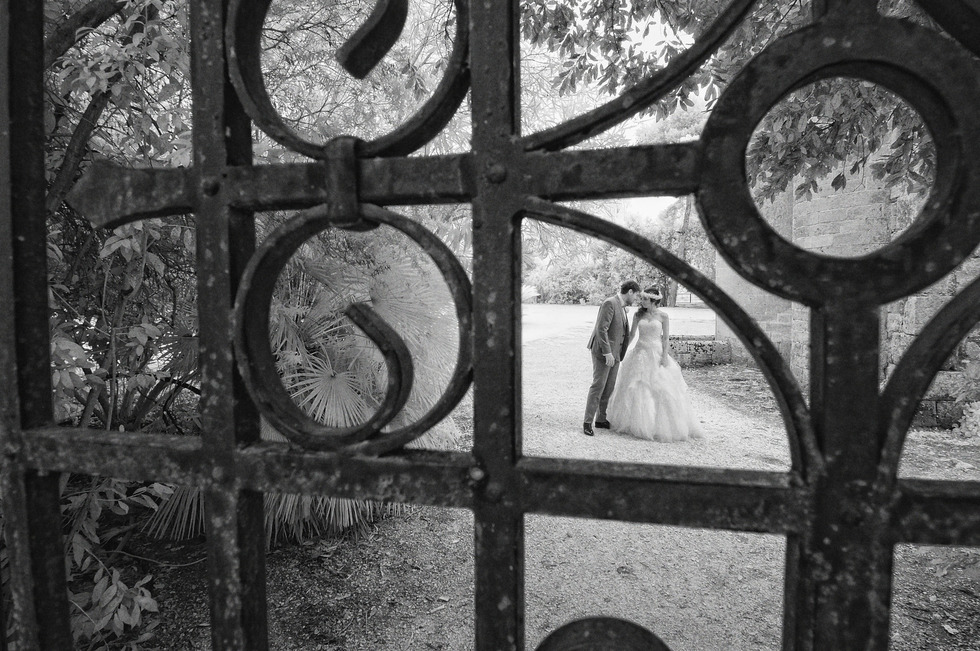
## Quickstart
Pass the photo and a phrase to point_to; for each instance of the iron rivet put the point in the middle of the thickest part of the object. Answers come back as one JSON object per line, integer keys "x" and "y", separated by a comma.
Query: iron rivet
{"x": 494, "y": 491}
{"x": 476, "y": 473}
{"x": 211, "y": 187}
{"x": 852, "y": 516}
{"x": 496, "y": 173}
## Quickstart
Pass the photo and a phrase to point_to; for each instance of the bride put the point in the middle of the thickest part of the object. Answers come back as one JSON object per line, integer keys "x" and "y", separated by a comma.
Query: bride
{"x": 650, "y": 400}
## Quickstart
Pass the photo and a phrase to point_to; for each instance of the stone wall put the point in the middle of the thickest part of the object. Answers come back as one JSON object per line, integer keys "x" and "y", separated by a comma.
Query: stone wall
{"x": 848, "y": 223}
{"x": 700, "y": 351}
{"x": 772, "y": 312}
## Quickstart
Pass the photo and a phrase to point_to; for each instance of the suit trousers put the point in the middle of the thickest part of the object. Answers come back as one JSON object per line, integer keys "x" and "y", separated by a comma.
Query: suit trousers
{"x": 603, "y": 383}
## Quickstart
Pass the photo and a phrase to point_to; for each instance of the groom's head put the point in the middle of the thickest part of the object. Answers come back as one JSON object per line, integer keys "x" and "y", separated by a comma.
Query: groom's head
{"x": 629, "y": 291}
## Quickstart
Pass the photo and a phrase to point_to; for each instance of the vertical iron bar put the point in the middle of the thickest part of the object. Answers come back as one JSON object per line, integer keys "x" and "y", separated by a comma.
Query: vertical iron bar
{"x": 226, "y": 239}
{"x": 850, "y": 561}
{"x": 31, "y": 500}
{"x": 798, "y": 592}
{"x": 499, "y": 521}
{"x": 8, "y": 406}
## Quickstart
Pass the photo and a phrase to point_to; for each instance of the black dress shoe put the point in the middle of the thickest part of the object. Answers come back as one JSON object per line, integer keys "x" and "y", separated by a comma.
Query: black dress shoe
{"x": 602, "y": 424}
{"x": 587, "y": 429}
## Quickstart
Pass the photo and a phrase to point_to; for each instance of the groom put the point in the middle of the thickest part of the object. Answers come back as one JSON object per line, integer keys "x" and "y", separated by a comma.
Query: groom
{"x": 608, "y": 345}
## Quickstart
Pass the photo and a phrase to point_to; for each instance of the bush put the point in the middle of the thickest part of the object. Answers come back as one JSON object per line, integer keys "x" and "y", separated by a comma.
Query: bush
{"x": 969, "y": 425}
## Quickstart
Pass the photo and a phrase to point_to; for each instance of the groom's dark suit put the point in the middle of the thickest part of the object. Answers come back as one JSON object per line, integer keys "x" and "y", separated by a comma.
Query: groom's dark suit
{"x": 610, "y": 335}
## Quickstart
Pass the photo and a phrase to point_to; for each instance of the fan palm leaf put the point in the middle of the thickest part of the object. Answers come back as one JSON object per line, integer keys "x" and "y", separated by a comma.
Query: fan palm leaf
{"x": 328, "y": 396}
{"x": 339, "y": 376}
{"x": 180, "y": 516}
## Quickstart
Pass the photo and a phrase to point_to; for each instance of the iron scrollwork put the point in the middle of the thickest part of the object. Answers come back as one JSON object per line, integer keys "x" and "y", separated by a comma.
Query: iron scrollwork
{"x": 257, "y": 363}
{"x": 362, "y": 51}
{"x": 841, "y": 505}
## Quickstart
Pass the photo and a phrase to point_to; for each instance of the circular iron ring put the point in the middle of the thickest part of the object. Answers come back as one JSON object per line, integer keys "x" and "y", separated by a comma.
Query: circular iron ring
{"x": 602, "y": 634}
{"x": 257, "y": 364}
{"x": 937, "y": 80}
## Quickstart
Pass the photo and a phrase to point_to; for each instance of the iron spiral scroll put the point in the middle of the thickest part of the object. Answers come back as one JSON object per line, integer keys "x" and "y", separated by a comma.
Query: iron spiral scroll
{"x": 841, "y": 505}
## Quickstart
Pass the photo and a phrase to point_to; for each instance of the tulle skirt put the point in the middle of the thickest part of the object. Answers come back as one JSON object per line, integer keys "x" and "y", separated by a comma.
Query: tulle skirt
{"x": 650, "y": 400}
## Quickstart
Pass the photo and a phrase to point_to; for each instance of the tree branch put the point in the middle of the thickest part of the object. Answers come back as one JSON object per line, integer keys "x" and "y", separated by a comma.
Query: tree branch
{"x": 78, "y": 144}
{"x": 75, "y": 151}
{"x": 64, "y": 35}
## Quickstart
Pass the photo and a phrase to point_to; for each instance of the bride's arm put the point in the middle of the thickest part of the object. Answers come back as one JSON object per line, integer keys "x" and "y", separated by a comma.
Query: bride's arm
{"x": 666, "y": 338}
{"x": 634, "y": 327}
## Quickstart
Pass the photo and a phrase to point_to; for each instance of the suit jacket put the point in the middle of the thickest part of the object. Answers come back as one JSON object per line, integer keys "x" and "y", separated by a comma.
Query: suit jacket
{"x": 611, "y": 332}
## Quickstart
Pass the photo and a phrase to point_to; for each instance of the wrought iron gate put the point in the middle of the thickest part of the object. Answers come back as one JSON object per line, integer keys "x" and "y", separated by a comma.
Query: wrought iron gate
{"x": 841, "y": 506}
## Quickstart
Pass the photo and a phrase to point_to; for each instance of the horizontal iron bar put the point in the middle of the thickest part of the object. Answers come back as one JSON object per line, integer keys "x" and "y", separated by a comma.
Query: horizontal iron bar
{"x": 935, "y": 512}
{"x": 111, "y": 195}
{"x": 126, "y": 455}
{"x": 413, "y": 476}
{"x": 927, "y": 512}
{"x": 743, "y": 500}
{"x": 383, "y": 181}
{"x": 605, "y": 173}
{"x": 648, "y": 170}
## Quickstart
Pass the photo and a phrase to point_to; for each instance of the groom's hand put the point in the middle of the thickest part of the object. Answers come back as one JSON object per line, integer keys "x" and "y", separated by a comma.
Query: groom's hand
{"x": 610, "y": 360}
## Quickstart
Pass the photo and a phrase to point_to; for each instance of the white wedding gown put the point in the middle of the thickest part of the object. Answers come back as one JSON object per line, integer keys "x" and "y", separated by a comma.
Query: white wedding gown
{"x": 650, "y": 400}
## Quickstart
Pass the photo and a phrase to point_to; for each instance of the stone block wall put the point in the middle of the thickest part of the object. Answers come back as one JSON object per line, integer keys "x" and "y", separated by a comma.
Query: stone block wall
{"x": 700, "y": 351}
{"x": 843, "y": 224}
{"x": 771, "y": 312}
{"x": 854, "y": 222}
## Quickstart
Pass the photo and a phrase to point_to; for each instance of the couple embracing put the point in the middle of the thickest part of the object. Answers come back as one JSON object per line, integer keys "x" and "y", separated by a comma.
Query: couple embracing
{"x": 637, "y": 387}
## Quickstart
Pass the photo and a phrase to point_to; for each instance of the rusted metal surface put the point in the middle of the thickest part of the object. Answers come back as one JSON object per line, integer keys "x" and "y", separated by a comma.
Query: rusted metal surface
{"x": 243, "y": 37}
{"x": 497, "y": 168}
{"x": 936, "y": 512}
{"x": 372, "y": 40}
{"x": 560, "y": 176}
{"x": 31, "y": 501}
{"x": 718, "y": 499}
{"x": 109, "y": 191}
{"x": 602, "y": 634}
{"x": 225, "y": 241}
{"x": 841, "y": 506}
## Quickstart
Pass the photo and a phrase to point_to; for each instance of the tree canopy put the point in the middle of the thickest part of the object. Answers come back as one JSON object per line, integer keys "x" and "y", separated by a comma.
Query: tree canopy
{"x": 828, "y": 128}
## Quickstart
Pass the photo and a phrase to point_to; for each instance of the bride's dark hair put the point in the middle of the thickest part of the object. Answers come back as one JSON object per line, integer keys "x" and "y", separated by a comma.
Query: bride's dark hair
{"x": 657, "y": 296}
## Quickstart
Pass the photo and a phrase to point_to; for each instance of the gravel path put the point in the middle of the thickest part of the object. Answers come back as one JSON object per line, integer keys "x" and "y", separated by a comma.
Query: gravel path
{"x": 408, "y": 586}
{"x": 696, "y": 589}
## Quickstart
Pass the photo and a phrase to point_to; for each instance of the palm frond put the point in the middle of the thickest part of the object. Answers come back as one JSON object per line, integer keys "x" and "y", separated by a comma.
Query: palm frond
{"x": 329, "y": 396}
{"x": 338, "y": 375}
{"x": 180, "y": 517}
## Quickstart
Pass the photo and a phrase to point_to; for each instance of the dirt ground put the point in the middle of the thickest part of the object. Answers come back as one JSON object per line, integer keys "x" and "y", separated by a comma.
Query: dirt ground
{"x": 407, "y": 585}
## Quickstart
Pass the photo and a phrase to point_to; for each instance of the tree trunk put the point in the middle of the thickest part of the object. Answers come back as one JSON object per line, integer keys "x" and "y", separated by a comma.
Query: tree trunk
{"x": 671, "y": 298}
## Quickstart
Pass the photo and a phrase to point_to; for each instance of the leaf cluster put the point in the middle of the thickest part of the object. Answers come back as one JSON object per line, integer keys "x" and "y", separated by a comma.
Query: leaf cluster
{"x": 588, "y": 271}
{"x": 833, "y": 127}
{"x": 123, "y": 318}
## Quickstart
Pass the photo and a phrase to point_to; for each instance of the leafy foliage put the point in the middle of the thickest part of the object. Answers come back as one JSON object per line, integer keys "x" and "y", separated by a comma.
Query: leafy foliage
{"x": 335, "y": 373}
{"x": 826, "y": 128}
{"x": 969, "y": 424}
{"x": 589, "y": 271}
{"x": 123, "y": 303}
